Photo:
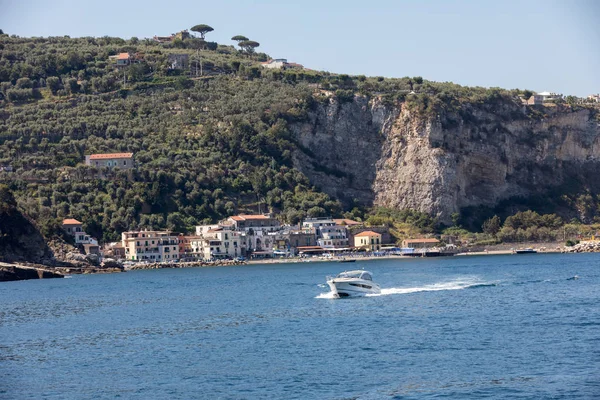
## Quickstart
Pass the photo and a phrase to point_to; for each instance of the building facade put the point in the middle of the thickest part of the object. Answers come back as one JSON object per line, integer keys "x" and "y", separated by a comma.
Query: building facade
{"x": 420, "y": 243}
{"x": 151, "y": 246}
{"x": 75, "y": 229}
{"x": 111, "y": 160}
{"x": 179, "y": 61}
{"x": 256, "y": 222}
{"x": 368, "y": 240}
{"x": 328, "y": 233}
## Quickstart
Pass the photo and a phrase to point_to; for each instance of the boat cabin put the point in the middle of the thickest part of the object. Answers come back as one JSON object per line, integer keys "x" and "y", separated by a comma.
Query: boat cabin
{"x": 359, "y": 274}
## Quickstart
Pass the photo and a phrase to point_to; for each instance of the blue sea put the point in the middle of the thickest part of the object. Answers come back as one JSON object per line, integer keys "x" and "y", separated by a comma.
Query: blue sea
{"x": 498, "y": 327}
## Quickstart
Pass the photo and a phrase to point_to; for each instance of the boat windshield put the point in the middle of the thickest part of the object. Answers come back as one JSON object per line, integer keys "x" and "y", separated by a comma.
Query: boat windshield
{"x": 356, "y": 275}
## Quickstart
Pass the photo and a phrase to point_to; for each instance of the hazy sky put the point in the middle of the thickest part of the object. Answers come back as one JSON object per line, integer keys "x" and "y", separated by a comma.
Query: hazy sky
{"x": 535, "y": 44}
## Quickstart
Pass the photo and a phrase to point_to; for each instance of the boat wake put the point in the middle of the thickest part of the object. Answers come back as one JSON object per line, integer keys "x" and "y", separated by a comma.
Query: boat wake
{"x": 457, "y": 284}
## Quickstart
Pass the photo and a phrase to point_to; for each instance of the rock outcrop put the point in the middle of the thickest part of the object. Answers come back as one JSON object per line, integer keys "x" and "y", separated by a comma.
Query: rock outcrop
{"x": 591, "y": 246}
{"x": 376, "y": 153}
{"x": 21, "y": 241}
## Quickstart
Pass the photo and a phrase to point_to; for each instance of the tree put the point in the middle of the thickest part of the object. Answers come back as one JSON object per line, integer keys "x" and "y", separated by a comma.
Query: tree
{"x": 455, "y": 218}
{"x": 202, "y": 29}
{"x": 7, "y": 200}
{"x": 527, "y": 94}
{"x": 248, "y": 45}
{"x": 492, "y": 225}
{"x": 53, "y": 84}
{"x": 240, "y": 38}
{"x": 571, "y": 100}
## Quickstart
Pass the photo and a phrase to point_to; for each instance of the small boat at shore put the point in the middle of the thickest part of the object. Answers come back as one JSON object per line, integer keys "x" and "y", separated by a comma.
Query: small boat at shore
{"x": 526, "y": 251}
{"x": 347, "y": 260}
{"x": 353, "y": 284}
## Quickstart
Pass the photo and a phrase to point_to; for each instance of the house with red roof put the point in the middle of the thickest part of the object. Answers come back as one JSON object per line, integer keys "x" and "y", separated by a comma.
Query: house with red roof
{"x": 256, "y": 222}
{"x": 110, "y": 160}
{"x": 368, "y": 240}
{"x": 75, "y": 229}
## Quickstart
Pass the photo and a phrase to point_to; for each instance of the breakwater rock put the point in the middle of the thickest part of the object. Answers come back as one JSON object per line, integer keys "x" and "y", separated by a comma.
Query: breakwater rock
{"x": 10, "y": 272}
{"x": 592, "y": 246}
{"x": 192, "y": 264}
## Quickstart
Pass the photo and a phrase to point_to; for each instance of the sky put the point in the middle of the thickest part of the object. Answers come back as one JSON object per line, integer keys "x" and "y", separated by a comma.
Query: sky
{"x": 541, "y": 45}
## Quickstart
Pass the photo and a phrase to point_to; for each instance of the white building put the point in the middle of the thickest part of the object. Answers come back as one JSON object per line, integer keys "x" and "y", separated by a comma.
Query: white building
{"x": 280, "y": 63}
{"x": 276, "y": 63}
{"x": 216, "y": 241}
{"x": 152, "y": 246}
{"x": 329, "y": 233}
{"x": 75, "y": 229}
{"x": 550, "y": 96}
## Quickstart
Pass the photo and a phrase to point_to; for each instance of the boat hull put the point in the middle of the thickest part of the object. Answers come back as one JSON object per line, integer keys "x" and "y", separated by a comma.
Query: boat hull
{"x": 352, "y": 288}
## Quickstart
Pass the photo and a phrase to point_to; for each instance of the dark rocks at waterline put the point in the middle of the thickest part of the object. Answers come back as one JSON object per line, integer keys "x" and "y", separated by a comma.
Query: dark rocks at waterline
{"x": 20, "y": 273}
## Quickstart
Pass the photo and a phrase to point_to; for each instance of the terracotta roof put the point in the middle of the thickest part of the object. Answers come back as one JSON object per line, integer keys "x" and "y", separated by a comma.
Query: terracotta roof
{"x": 367, "y": 233}
{"x": 110, "y": 156}
{"x": 422, "y": 240}
{"x": 256, "y": 216}
{"x": 346, "y": 221}
{"x": 123, "y": 56}
{"x": 71, "y": 221}
{"x": 243, "y": 217}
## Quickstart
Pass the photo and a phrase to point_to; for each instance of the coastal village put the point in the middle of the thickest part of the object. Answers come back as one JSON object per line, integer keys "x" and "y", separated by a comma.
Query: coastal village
{"x": 242, "y": 236}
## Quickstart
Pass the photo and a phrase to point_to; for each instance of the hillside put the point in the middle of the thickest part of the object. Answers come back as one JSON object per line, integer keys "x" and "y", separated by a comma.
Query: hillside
{"x": 241, "y": 138}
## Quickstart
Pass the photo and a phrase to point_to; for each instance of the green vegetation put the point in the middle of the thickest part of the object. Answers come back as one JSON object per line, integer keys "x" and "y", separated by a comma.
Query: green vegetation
{"x": 209, "y": 141}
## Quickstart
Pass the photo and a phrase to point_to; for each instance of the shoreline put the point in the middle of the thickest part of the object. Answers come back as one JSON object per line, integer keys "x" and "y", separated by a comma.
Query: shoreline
{"x": 541, "y": 248}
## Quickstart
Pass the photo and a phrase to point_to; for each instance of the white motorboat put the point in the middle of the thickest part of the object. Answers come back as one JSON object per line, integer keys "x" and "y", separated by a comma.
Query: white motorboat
{"x": 353, "y": 283}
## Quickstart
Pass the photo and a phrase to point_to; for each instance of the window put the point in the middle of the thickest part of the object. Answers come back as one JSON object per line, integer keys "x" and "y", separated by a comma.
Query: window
{"x": 153, "y": 242}
{"x": 146, "y": 243}
{"x": 124, "y": 162}
{"x": 226, "y": 237}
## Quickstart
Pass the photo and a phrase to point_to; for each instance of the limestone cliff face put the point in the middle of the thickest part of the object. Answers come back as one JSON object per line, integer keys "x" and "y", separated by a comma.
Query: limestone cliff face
{"x": 381, "y": 154}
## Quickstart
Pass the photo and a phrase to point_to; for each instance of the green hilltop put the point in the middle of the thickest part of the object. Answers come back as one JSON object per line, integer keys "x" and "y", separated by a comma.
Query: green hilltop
{"x": 210, "y": 139}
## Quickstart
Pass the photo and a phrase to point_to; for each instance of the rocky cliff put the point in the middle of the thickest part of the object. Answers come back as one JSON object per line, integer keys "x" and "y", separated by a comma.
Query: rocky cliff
{"x": 377, "y": 153}
{"x": 20, "y": 240}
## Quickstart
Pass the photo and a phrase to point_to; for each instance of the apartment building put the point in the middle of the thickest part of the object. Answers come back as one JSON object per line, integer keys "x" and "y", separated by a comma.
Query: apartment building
{"x": 152, "y": 246}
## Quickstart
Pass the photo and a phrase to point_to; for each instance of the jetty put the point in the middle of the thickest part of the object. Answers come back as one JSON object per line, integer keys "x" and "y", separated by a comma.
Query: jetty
{"x": 16, "y": 272}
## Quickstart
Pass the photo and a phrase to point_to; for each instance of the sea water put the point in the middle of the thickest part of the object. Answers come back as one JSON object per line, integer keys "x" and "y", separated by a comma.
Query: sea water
{"x": 514, "y": 326}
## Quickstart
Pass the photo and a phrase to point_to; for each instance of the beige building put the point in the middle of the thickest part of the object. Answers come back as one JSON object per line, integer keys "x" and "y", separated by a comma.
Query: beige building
{"x": 111, "y": 160}
{"x": 152, "y": 246}
{"x": 368, "y": 240}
